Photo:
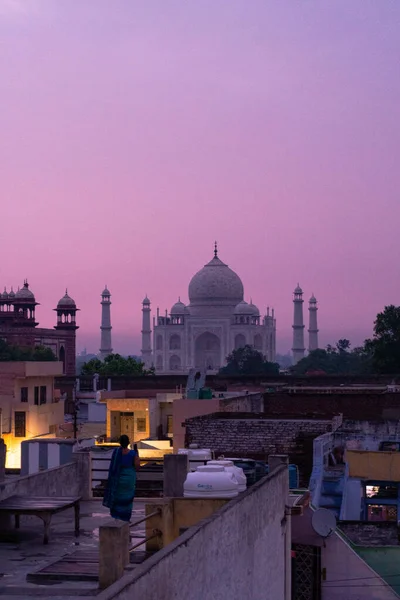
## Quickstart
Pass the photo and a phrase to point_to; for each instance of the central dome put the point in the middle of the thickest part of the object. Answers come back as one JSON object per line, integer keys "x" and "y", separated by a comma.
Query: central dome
{"x": 215, "y": 284}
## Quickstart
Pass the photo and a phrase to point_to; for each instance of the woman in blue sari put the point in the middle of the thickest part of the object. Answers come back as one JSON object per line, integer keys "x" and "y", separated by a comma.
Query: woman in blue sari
{"x": 120, "y": 491}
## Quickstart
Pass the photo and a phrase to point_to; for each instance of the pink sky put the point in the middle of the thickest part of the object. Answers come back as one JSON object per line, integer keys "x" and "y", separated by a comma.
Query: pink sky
{"x": 134, "y": 133}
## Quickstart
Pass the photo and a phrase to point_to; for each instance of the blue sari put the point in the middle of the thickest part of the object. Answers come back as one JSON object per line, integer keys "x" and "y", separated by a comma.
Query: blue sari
{"x": 120, "y": 491}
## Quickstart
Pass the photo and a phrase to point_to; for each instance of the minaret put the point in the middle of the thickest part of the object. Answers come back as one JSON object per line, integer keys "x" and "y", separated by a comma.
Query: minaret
{"x": 105, "y": 328}
{"x": 298, "y": 325}
{"x": 313, "y": 325}
{"x": 147, "y": 357}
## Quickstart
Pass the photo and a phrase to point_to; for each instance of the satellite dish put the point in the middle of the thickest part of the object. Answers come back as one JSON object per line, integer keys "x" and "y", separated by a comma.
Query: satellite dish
{"x": 323, "y": 522}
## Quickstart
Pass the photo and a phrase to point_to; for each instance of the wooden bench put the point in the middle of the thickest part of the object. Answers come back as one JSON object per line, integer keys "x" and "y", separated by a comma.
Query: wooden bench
{"x": 44, "y": 508}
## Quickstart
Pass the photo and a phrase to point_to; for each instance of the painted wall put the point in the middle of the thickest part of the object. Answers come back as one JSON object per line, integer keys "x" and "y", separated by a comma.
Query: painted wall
{"x": 185, "y": 409}
{"x": 237, "y": 553}
{"x": 348, "y": 576}
{"x": 379, "y": 466}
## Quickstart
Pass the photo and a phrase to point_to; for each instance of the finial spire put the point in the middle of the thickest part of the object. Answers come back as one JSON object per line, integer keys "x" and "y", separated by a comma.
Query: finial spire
{"x": 215, "y": 250}
{"x": 66, "y": 291}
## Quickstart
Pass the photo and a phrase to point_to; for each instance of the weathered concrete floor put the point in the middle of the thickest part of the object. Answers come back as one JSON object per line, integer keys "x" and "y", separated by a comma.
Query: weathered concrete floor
{"x": 23, "y": 552}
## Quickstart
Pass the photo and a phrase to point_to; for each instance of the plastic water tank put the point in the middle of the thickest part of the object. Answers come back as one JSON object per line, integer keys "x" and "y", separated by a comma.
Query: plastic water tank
{"x": 210, "y": 481}
{"x": 248, "y": 465}
{"x": 197, "y": 456}
{"x": 231, "y": 468}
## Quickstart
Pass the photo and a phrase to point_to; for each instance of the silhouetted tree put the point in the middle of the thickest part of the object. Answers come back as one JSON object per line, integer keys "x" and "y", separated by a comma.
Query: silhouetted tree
{"x": 334, "y": 360}
{"x": 248, "y": 361}
{"x": 384, "y": 347}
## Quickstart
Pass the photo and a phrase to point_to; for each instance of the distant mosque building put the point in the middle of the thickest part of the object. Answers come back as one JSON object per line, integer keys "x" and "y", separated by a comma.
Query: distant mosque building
{"x": 18, "y": 325}
{"x": 216, "y": 321}
{"x": 298, "y": 348}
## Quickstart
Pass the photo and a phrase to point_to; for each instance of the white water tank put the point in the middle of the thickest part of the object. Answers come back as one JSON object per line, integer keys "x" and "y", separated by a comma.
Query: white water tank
{"x": 231, "y": 468}
{"x": 197, "y": 456}
{"x": 210, "y": 481}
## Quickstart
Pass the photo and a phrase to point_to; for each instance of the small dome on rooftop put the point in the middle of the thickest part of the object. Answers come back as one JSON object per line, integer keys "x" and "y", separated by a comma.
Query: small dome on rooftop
{"x": 106, "y": 292}
{"x": 243, "y": 308}
{"x": 66, "y": 301}
{"x": 146, "y": 301}
{"x": 178, "y": 308}
{"x": 254, "y": 309}
{"x": 4, "y": 294}
{"x": 25, "y": 293}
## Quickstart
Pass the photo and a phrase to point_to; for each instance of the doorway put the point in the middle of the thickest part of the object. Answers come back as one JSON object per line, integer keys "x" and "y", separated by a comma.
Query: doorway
{"x": 128, "y": 425}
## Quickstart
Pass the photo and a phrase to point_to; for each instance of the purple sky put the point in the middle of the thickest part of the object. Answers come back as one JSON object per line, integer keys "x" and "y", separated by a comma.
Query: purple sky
{"x": 134, "y": 133}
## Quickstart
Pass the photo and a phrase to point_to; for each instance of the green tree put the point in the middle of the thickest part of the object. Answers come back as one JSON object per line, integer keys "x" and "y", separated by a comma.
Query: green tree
{"x": 335, "y": 360}
{"x": 115, "y": 364}
{"x": 248, "y": 361}
{"x": 9, "y": 352}
{"x": 384, "y": 347}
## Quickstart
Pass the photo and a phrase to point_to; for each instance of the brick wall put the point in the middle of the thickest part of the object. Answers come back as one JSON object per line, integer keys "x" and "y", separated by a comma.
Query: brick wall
{"x": 246, "y": 436}
{"x": 352, "y": 406}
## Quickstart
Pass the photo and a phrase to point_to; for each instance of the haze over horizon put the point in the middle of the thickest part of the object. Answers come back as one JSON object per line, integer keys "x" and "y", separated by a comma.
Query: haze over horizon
{"x": 134, "y": 134}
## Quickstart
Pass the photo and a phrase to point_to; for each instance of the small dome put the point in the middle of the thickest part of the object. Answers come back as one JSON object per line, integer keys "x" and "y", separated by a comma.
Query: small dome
{"x": 243, "y": 309}
{"x": 4, "y": 294}
{"x": 178, "y": 308}
{"x": 254, "y": 309}
{"x": 66, "y": 301}
{"x": 106, "y": 292}
{"x": 313, "y": 299}
{"x": 25, "y": 293}
{"x": 298, "y": 290}
{"x": 11, "y": 293}
{"x": 146, "y": 301}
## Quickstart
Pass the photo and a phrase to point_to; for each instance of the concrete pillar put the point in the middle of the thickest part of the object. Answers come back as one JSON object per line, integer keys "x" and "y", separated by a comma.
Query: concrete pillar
{"x": 113, "y": 551}
{"x": 109, "y": 384}
{"x": 3, "y": 449}
{"x": 277, "y": 460}
{"x": 164, "y": 522}
{"x": 84, "y": 460}
{"x": 176, "y": 468}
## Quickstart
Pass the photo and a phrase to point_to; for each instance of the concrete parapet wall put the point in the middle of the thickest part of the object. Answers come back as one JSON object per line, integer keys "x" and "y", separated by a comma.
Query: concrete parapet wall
{"x": 238, "y": 552}
{"x": 71, "y": 479}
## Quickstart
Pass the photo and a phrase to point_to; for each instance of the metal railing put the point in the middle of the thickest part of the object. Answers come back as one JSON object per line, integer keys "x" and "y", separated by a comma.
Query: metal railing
{"x": 155, "y": 534}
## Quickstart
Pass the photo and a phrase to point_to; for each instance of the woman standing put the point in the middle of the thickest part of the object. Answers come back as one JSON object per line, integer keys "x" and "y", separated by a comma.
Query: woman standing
{"x": 120, "y": 491}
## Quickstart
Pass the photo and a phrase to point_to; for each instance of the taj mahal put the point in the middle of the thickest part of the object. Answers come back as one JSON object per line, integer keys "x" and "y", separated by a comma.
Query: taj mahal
{"x": 216, "y": 321}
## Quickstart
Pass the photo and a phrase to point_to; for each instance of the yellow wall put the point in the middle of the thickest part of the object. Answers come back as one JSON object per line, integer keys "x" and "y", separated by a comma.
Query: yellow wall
{"x": 177, "y": 513}
{"x": 140, "y": 408}
{"x": 39, "y": 418}
{"x": 380, "y": 466}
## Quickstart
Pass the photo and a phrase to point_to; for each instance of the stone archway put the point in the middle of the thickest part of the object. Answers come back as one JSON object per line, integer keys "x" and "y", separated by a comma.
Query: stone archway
{"x": 207, "y": 351}
{"x": 240, "y": 341}
{"x": 174, "y": 363}
{"x": 62, "y": 357}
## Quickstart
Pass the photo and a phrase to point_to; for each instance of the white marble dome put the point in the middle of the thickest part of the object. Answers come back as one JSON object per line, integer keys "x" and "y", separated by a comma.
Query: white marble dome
{"x": 243, "y": 308}
{"x": 215, "y": 284}
{"x": 178, "y": 308}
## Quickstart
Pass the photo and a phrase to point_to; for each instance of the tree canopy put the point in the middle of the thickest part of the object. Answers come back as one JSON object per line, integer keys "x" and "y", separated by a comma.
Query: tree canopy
{"x": 248, "y": 361}
{"x": 9, "y": 352}
{"x": 333, "y": 360}
{"x": 384, "y": 347}
{"x": 115, "y": 364}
